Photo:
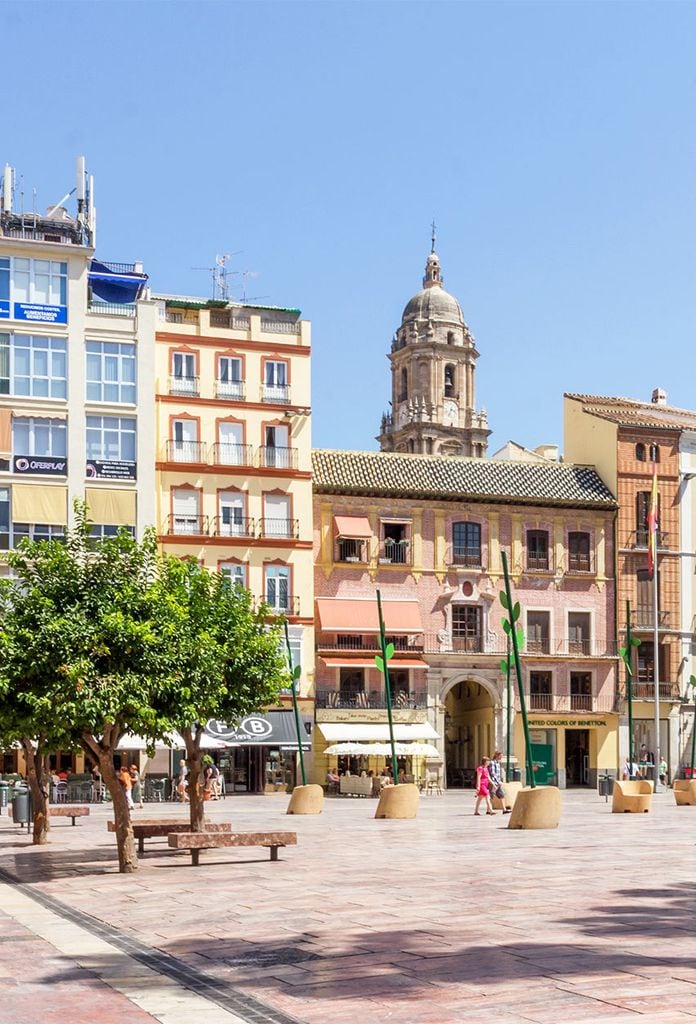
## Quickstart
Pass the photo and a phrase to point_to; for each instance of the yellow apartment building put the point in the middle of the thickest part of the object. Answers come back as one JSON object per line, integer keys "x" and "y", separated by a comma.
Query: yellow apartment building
{"x": 234, "y": 486}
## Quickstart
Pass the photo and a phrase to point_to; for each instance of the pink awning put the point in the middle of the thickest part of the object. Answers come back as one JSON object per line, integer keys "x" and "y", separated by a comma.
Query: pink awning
{"x": 342, "y": 615}
{"x": 353, "y": 527}
{"x": 395, "y": 663}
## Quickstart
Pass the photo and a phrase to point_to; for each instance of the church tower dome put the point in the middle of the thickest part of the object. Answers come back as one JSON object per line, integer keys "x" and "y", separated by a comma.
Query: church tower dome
{"x": 433, "y": 357}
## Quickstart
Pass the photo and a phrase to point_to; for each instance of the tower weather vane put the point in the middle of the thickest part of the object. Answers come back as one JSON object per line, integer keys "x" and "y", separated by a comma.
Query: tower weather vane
{"x": 433, "y": 237}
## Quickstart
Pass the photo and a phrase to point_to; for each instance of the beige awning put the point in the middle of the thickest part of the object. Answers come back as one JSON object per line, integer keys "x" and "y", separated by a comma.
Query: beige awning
{"x": 5, "y": 433}
{"x": 109, "y": 506}
{"x": 362, "y": 732}
{"x": 338, "y": 615}
{"x": 353, "y": 527}
{"x": 39, "y": 503}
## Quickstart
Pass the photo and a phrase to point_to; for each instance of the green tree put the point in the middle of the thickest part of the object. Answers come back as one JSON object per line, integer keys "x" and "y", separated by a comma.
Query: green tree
{"x": 80, "y": 649}
{"x": 223, "y": 658}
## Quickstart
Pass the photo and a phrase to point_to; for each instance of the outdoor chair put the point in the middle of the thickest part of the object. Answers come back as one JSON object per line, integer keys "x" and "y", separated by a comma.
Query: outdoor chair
{"x": 60, "y": 793}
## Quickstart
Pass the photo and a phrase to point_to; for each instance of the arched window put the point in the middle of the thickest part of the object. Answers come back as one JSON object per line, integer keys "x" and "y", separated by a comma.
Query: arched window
{"x": 449, "y": 381}
{"x": 450, "y": 337}
{"x": 654, "y": 453}
{"x": 640, "y": 452}
{"x": 404, "y": 385}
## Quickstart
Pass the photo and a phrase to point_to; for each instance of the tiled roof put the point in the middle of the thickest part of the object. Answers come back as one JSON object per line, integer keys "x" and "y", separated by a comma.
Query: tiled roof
{"x": 433, "y": 477}
{"x": 631, "y": 412}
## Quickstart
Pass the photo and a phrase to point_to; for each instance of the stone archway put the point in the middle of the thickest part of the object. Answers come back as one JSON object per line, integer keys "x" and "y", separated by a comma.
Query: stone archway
{"x": 472, "y": 724}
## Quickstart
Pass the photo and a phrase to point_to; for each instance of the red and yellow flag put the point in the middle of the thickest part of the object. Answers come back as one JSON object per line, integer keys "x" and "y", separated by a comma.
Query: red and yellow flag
{"x": 653, "y": 522}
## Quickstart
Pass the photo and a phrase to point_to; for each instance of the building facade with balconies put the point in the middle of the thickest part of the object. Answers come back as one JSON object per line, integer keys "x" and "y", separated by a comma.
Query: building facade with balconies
{"x": 429, "y": 532}
{"x": 627, "y": 440}
{"x": 233, "y": 451}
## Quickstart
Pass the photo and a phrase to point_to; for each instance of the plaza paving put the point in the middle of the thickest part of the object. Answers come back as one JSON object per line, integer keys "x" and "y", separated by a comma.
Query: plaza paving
{"x": 447, "y": 918}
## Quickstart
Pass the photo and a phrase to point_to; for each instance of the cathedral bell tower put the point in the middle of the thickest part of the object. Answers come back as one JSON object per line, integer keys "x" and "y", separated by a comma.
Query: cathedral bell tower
{"x": 433, "y": 363}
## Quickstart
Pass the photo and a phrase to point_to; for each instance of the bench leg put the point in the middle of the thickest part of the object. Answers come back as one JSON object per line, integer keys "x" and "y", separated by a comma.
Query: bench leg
{"x": 195, "y": 855}
{"x": 274, "y": 853}
{"x": 73, "y": 821}
{"x": 141, "y": 844}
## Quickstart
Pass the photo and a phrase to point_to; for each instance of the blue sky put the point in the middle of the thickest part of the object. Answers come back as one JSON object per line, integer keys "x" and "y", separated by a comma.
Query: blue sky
{"x": 554, "y": 144}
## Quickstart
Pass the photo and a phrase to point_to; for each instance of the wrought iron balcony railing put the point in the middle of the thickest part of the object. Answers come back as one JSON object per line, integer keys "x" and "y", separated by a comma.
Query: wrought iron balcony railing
{"x": 187, "y": 525}
{"x": 404, "y": 699}
{"x": 225, "y": 454}
{"x": 395, "y": 552}
{"x": 183, "y": 385}
{"x": 351, "y": 550}
{"x": 186, "y": 451}
{"x": 231, "y": 526}
{"x": 271, "y": 457}
{"x": 280, "y": 528}
{"x": 232, "y": 389}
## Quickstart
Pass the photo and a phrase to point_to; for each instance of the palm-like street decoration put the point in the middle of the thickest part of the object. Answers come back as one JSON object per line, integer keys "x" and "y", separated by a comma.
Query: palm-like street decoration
{"x": 515, "y": 636}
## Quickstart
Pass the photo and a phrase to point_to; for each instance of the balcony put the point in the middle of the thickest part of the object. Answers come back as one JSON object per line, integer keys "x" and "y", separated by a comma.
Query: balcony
{"x": 275, "y": 394}
{"x": 280, "y": 326}
{"x": 235, "y": 390}
{"x": 581, "y": 702}
{"x": 644, "y": 617}
{"x": 566, "y": 703}
{"x": 579, "y": 564}
{"x": 540, "y": 645}
{"x": 280, "y": 529}
{"x": 285, "y": 604}
{"x": 186, "y": 451}
{"x": 402, "y": 699}
{"x": 535, "y": 563}
{"x": 224, "y": 526}
{"x": 466, "y": 644}
{"x": 187, "y": 525}
{"x": 226, "y": 318}
{"x": 225, "y": 454}
{"x": 183, "y": 385}
{"x": 395, "y": 552}
{"x": 540, "y": 701}
{"x": 646, "y": 691}
{"x": 639, "y": 539}
{"x": 271, "y": 457}
{"x": 411, "y": 644}
{"x": 351, "y": 550}
{"x": 469, "y": 557}
{"x": 113, "y": 308}
{"x": 586, "y": 648}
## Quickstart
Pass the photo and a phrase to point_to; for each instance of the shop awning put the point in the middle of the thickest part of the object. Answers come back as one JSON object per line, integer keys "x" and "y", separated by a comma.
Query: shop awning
{"x": 353, "y": 527}
{"x": 339, "y": 615}
{"x": 370, "y": 663}
{"x": 173, "y": 741}
{"x": 361, "y": 732}
{"x": 273, "y": 729}
{"x": 384, "y": 750}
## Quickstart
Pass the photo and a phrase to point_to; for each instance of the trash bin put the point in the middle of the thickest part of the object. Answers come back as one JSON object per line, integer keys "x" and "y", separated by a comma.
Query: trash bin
{"x": 516, "y": 775}
{"x": 606, "y": 785}
{"x": 20, "y": 807}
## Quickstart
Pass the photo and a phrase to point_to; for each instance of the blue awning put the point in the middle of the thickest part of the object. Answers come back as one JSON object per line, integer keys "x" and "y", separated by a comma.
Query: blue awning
{"x": 115, "y": 286}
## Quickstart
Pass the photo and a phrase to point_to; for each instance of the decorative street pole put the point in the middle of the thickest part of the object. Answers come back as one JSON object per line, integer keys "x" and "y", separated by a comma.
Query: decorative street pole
{"x": 510, "y": 628}
{"x": 295, "y": 674}
{"x": 506, "y": 669}
{"x": 627, "y": 656}
{"x": 382, "y": 664}
{"x": 692, "y": 683}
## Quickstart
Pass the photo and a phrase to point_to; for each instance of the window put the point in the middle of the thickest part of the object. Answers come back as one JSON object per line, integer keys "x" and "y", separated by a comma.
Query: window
{"x": 230, "y": 383}
{"x": 537, "y": 549}
{"x": 580, "y": 691}
{"x": 276, "y": 516}
{"x": 110, "y": 372}
{"x": 404, "y": 386}
{"x": 466, "y": 544}
{"x": 538, "y": 632}
{"x": 278, "y": 587}
{"x": 579, "y": 633}
{"x": 642, "y": 511}
{"x": 449, "y": 381}
{"x": 34, "y": 436}
{"x": 275, "y": 387}
{"x": 230, "y": 449}
{"x": 579, "y": 552}
{"x": 35, "y": 367}
{"x": 276, "y": 453}
{"x": 540, "y": 691}
{"x": 4, "y": 518}
{"x": 235, "y": 573}
{"x": 184, "y": 446}
{"x": 186, "y": 516}
{"x": 183, "y": 380}
{"x": 4, "y": 286}
{"x": 111, "y": 439}
{"x": 645, "y": 657}
{"x": 351, "y": 684}
{"x": 38, "y": 531}
{"x": 395, "y": 543}
{"x": 450, "y": 337}
{"x": 351, "y": 549}
{"x": 654, "y": 453}
{"x": 466, "y": 628}
{"x": 640, "y": 452}
{"x": 40, "y": 281}
{"x": 232, "y": 521}
{"x": 101, "y": 532}
{"x": 644, "y": 611}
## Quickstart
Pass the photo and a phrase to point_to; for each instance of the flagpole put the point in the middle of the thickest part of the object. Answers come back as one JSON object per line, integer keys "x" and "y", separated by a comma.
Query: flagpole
{"x": 656, "y": 668}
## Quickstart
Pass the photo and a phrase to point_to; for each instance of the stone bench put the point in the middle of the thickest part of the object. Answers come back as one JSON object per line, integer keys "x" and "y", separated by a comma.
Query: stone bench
{"x": 632, "y": 797}
{"x": 68, "y": 811}
{"x": 163, "y": 827}
{"x": 197, "y": 841}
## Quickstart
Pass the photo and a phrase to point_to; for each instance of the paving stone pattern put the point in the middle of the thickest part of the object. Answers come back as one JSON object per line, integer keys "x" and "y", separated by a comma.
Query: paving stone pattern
{"x": 441, "y": 920}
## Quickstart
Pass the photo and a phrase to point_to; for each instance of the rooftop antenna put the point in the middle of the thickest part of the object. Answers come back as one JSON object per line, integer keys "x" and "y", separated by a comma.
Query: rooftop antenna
{"x": 8, "y": 188}
{"x": 246, "y": 274}
{"x": 433, "y": 237}
{"x": 220, "y": 275}
{"x": 21, "y": 195}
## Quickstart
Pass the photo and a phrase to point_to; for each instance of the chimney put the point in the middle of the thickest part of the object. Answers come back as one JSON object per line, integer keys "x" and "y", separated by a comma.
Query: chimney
{"x": 659, "y": 397}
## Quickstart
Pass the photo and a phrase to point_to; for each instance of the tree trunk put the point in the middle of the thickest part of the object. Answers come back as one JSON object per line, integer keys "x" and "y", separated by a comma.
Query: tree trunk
{"x": 125, "y": 841}
{"x": 195, "y": 783}
{"x": 37, "y": 778}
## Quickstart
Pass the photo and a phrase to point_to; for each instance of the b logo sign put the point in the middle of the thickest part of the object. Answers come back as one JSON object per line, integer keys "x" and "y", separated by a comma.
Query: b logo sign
{"x": 256, "y": 727}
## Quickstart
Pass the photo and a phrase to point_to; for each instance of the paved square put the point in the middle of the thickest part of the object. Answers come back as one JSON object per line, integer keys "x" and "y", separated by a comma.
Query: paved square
{"x": 439, "y": 920}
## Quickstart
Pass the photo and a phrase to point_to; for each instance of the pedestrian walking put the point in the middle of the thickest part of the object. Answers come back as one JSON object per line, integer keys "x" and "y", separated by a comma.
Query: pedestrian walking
{"x": 495, "y": 772}
{"x": 137, "y": 786}
{"x": 124, "y": 778}
{"x": 182, "y": 783}
{"x": 483, "y": 784}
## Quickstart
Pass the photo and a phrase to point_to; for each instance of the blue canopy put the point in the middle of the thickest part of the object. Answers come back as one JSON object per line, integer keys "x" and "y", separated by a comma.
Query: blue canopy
{"x": 112, "y": 286}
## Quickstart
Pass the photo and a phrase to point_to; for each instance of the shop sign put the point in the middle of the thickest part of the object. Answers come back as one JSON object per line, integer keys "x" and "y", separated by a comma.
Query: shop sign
{"x": 111, "y": 470}
{"x": 573, "y": 723}
{"x": 41, "y": 466}
{"x": 35, "y": 312}
{"x": 5, "y": 309}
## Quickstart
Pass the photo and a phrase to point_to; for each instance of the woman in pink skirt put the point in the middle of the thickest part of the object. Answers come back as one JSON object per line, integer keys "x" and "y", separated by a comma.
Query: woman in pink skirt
{"x": 483, "y": 782}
